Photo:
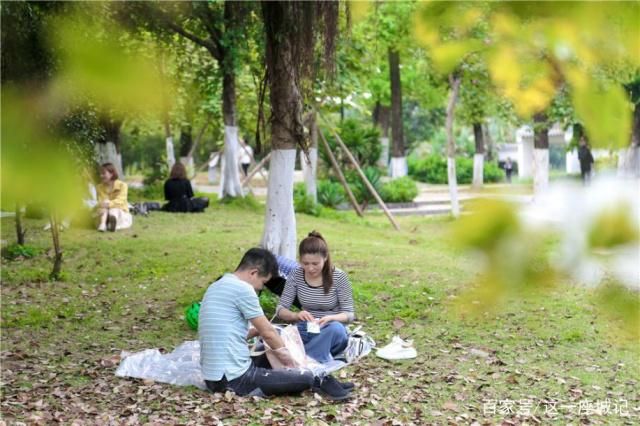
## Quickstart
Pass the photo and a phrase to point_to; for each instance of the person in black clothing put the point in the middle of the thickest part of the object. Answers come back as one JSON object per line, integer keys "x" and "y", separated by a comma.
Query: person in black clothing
{"x": 179, "y": 193}
{"x": 586, "y": 160}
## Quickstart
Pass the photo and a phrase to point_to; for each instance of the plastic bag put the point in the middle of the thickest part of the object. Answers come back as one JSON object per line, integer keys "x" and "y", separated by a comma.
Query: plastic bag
{"x": 180, "y": 367}
{"x": 294, "y": 346}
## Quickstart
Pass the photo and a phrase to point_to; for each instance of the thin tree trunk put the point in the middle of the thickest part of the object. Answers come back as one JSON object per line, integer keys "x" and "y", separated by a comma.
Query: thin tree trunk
{"x": 488, "y": 142}
{"x": 310, "y": 162}
{"x": 381, "y": 116}
{"x": 168, "y": 142}
{"x": 478, "y": 158}
{"x": 629, "y": 158}
{"x": 398, "y": 159}
{"x": 57, "y": 250}
{"x": 454, "y": 82}
{"x": 540, "y": 154}
{"x": 20, "y": 231}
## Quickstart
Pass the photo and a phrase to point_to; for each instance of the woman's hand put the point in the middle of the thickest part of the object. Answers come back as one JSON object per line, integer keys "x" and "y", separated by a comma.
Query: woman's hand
{"x": 305, "y": 316}
{"x": 326, "y": 320}
{"x": 104, "y": 204}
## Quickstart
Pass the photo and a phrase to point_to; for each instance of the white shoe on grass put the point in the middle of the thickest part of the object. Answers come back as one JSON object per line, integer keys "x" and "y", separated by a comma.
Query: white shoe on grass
{"x": 397, "y": 349}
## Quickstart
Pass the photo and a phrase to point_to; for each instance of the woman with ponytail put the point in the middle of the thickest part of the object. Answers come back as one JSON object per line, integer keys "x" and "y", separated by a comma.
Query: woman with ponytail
{"x": 326, "y": 298}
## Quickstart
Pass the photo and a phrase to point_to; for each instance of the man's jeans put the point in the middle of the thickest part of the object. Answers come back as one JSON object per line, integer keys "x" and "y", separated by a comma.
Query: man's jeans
{"x": 260, "y": 381}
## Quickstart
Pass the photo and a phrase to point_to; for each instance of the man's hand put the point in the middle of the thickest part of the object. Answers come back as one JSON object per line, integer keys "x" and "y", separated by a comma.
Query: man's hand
{"x": 305, "y": 316}
{"x": 253, "y": 332}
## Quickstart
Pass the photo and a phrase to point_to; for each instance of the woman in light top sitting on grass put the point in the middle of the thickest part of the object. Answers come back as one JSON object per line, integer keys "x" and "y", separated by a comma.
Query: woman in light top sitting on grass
{"x": 326, "y": 298}
{"x": 112, "y": 209}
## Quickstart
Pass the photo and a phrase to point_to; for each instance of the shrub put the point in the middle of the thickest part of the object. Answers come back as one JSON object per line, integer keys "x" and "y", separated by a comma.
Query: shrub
{"x": 362, "y": 139}
{"x": 303, "y": 202}
{"x": 358, "y": 187}
{"x": 402, "y": 190}
{"x": 15, "y": 251}
{"x": 492, "y": 173}
{"x": 433, "y": 169}
{"x": 330, "y": 194}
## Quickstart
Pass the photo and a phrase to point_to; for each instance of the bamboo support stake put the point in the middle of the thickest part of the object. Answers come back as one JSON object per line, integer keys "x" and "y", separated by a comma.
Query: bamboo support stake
{"x": 343, "y": 181}
{"x": 364, "y": 177}
{"x": 256, "y": 169}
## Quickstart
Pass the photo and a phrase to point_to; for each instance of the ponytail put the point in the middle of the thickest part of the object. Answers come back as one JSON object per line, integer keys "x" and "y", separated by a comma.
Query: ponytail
{"x": 316, "y": 244}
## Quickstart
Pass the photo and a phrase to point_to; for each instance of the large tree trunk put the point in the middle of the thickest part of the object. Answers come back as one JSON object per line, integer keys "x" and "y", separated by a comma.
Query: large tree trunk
{"x": 454, "y": 82}
{"x": 107, "y": 148}
{"x": 540, "y": 154}
{"x": 310, "y": 162}
{"x": 381, "y": 118}
{"x": 287, "y": 131}
{"x": 398, "y": 159}
{"x": 478, "y": 158}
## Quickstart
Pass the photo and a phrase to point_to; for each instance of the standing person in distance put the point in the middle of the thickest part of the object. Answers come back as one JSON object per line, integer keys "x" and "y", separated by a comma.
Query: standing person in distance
{"x": 586, "y": 160}
{"x": 245, "y": 154}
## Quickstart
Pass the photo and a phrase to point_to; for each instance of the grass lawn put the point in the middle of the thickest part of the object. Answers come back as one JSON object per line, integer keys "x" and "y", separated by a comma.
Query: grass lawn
{"x": 550, "y": 360}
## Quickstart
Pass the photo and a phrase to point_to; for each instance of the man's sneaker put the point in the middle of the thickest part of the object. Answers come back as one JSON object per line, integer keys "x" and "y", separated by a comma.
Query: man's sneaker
{"x": 331, "y": 389}
{"x": 102, "y": 227}
{"x": 111, "y": 223}
{"x": 348, "y": 386}
{"x": 397, "y": 349}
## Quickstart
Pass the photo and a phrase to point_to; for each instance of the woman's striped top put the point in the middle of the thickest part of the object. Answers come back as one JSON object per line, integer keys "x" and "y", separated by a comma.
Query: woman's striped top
{"x": 314, "y": 300}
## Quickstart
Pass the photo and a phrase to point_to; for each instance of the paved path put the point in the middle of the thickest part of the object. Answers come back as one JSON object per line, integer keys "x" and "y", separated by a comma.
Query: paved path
{"x": 431, "y": 199}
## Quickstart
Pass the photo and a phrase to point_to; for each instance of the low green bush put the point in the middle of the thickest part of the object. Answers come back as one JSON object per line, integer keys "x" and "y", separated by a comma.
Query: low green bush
{"x": 401, "y": 190}
{"x": 359, "y": 188}
{"x": 433, "y": 169}
{"x": 303, "y": 202}
{"x": 15, "y": 251}
{"x": 330, "y": 194}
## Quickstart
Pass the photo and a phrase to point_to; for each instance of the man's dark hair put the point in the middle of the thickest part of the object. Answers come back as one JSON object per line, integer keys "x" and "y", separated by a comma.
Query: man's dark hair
{"x": 261, "y": 259}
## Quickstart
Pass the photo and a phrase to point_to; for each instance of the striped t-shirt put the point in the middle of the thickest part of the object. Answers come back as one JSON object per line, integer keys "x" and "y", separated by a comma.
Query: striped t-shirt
{"x": 226, "y": 309}
{"x": 314, "y": 300}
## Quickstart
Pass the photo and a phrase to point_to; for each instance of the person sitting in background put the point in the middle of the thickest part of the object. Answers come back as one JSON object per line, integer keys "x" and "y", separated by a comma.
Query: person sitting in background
{"x": 179, "y": 193}
{"x": 112, "y": 208}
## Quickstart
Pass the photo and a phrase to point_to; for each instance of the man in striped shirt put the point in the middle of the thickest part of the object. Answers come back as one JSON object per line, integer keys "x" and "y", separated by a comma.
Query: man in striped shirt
{"x": 227, "y": 308}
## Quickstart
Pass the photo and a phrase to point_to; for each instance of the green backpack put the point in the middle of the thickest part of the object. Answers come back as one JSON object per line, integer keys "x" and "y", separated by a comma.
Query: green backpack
{"x": 191, "y": 315}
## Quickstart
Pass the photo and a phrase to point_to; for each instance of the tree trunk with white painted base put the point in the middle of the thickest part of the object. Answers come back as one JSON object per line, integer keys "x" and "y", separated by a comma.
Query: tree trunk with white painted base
{"x": 398, "y": 166}
{"x": 287, "y": 130}
{"x": 478, "y": 158}
{"x": 310, "y": 162}
{"x": 309, "y": 168}
{"x": 540, "y": 171}
{"x": 381, "y": 118}
{"x": 540, "y": 154}
{"x": 230, "y": 185}
{"x": 279, "y": 221}
{"x": 454, "y": 83}
{"x": 107, "y": 148}
{"x": 629, "y": 158}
